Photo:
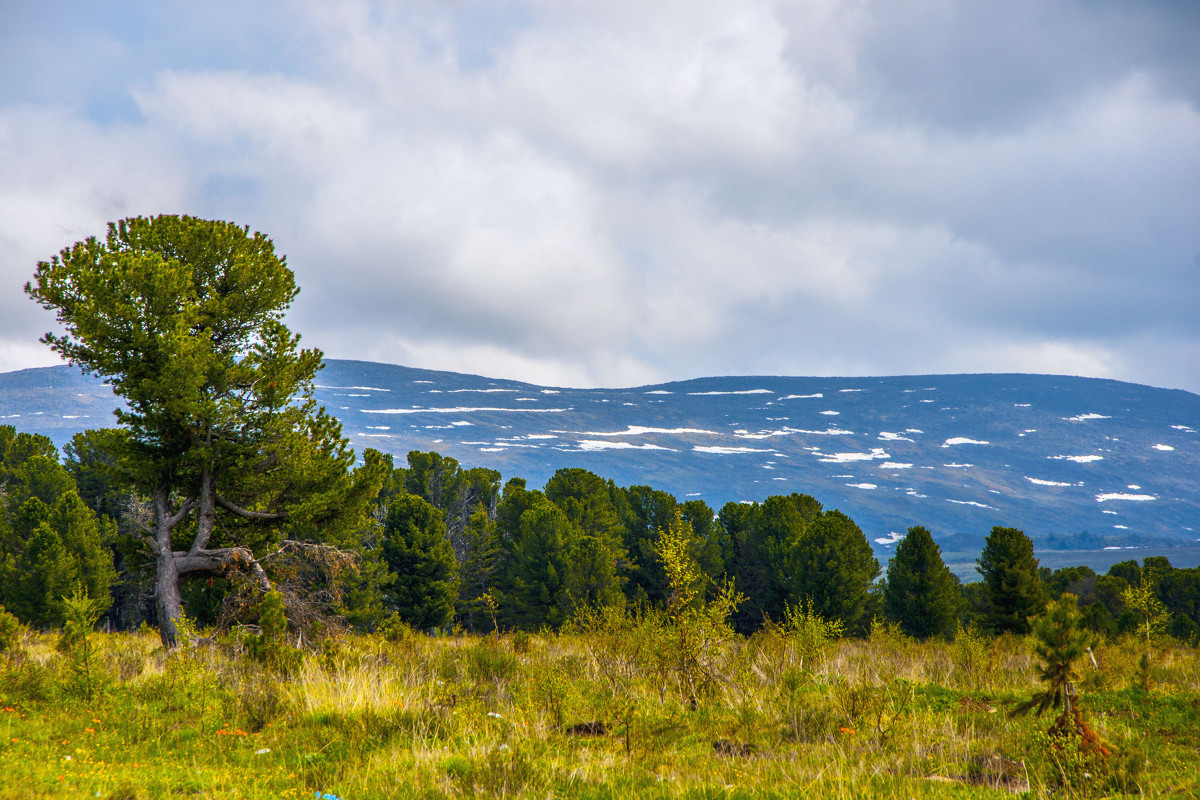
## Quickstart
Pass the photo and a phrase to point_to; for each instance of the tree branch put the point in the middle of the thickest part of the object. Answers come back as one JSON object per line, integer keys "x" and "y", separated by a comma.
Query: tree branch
{"x": 248, "y": 514}
{"x": 220, "y": 560}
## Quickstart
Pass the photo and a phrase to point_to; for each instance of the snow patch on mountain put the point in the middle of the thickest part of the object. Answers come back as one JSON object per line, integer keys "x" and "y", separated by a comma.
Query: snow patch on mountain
{"x": 594, "y": 444}
{"x": 738, "y": 391}
{"x": 1040, "y": 482}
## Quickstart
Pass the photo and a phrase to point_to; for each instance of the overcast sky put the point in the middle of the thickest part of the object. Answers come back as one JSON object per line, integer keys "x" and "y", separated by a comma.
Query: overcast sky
{"x": 614, "y": 193}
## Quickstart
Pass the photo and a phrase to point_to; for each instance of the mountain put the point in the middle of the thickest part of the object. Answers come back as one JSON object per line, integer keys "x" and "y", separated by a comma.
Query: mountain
{"x": 1081, "y": 465}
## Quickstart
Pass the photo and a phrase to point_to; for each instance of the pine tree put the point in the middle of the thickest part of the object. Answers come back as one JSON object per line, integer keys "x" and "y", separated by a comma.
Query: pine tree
{"x": 921, "y": 594}
{"x": 424, "y": 573}
{"x": 50, "y": 542}
{"x": 184, "y": 317}
{"x": 1014, "y": 592}
{"x": 832, "y": 568}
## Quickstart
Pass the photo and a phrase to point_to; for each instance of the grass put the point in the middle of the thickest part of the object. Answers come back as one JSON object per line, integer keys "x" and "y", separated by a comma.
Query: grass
{"x": 485, "y": 716}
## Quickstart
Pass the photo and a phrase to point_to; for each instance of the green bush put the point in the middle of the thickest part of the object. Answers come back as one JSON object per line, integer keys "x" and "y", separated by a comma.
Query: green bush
{"x": 10, "y": 632}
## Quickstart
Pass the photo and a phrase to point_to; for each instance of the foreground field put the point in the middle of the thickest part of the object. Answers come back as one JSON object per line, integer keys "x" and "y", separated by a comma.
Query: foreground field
{"x": 606, "y": 710}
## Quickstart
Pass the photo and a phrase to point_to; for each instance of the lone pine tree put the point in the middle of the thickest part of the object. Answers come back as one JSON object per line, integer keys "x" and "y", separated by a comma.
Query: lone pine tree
{"x": 184, "y": 317}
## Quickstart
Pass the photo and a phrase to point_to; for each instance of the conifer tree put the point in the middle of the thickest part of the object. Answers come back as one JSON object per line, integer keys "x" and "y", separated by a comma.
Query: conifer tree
{"x": 1013, "y": 588}
{"x": 832, "y": 569}
{"x": 423, "y": 583}
{"x": 51, "y": 543}
{"x": 921, "y": 594}
{"x": 184, "y": 317}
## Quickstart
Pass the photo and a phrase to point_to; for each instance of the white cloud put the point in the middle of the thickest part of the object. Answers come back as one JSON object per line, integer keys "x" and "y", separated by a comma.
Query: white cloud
{"x": 620, "y": 193}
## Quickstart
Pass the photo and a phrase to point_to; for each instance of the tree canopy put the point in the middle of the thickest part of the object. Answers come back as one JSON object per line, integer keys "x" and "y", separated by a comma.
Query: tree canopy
{"x": 184, "y": 317}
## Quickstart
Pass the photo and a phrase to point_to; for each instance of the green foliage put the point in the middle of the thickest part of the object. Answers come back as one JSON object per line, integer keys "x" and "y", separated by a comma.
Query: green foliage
{"x": 10, "y": 632}
{"x": 1061, "y": 643}
{"x": 184, "y": 317}
{"x": 423, "y": 580}
{"x": 269, "y": 646}
{"x": 1014, "y": 591}
{"x": 699, "y": 627}
{"x": 921, "y": 594}
{"x": 1141, "y": 598}
{"x": 810, "y": 633}
{"x": 834, "y": 567}
{"x": 50, "y": 541}
{"x": 80, "y": 614}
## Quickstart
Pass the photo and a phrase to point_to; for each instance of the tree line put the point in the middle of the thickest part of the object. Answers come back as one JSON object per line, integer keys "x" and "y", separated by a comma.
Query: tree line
{"x": 225, "y": 480}
{"x": 442, "y": 545}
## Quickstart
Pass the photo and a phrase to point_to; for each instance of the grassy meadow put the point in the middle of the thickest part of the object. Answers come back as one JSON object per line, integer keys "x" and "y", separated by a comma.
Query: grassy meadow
{"x": 609, "y": 707}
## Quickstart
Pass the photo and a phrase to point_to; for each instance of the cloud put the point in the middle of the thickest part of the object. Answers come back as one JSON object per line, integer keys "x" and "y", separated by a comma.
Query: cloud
{"x": 613, "y": 193}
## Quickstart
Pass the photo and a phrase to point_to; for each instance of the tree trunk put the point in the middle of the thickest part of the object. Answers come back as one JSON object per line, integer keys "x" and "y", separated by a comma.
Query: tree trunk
{"x": 166, "y": 589}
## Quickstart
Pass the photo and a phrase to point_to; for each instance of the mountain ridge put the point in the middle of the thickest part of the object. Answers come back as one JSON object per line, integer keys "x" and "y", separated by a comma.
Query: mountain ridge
{"x": 1090, "y": 461}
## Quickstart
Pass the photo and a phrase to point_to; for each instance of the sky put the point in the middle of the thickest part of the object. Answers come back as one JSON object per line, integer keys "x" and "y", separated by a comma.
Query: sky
{"x": 616, "y": 193}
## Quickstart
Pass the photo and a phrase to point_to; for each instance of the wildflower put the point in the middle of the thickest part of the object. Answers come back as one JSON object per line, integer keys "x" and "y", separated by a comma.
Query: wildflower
{"x": 89, "y": 730}
{"x": 844, "y": 729}
{"x": 262, "y": 751}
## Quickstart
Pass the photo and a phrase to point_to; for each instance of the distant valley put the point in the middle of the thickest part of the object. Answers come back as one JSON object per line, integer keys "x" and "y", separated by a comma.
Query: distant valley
{"x": 1095, "y": 471}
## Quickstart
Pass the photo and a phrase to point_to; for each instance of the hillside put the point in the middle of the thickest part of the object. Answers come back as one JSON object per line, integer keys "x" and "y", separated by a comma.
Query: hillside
{"x": 1079, "y": 464}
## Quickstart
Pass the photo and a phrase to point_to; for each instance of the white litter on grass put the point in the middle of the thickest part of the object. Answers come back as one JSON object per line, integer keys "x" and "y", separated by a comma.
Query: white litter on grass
{"x": 1078, "y": 459}
{"x": 461, "y": 410}
{"x": 890, "y": 539}
{"x": 862, "y": 486}
{"x": 1085, "y": 417}
{"x": 1165, "y": 447}
{"x": 876, "y": 454}
{"x": 1041, "y": 482}
{"x": 961, "y": 440}
{"x": 718, "y": 450}
{"x": 803, "y": 396}
{"x": 1141, "y": 498}
{"x": 969, "y": 503}
{"x": 638, "y": 430}
{"x": 737, "y": 391}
